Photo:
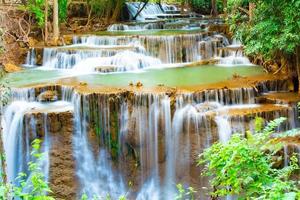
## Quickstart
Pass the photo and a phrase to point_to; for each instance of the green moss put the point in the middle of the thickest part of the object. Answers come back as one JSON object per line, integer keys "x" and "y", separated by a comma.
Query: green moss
{"x": 114, "y": 145}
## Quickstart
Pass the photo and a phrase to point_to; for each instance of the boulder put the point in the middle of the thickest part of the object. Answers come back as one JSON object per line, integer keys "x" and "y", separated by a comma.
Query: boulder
{"x": 106, "y": 69}
{"x": 32, "y": 42}
{"x": 9, "y": 68}
{"x": 48, "y": 96}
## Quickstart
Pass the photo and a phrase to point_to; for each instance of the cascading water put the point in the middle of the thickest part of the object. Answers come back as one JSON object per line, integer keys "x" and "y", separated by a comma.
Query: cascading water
{"x": 94, "y": 170}
{"x": 31, "y": 58}
{"x": 234, "y": 55}
{"x": 149, "y": 139}
{"x": 16, "y": 138}
{"x": 124, "y": 61}
{"x": 135, "y": 52}
{"x": 150, "y": 11}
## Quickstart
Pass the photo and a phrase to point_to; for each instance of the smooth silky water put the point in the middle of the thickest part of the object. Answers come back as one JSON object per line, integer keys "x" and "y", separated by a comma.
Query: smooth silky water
{"x": 150, "y": 140}
{"x": 173, "y": 77}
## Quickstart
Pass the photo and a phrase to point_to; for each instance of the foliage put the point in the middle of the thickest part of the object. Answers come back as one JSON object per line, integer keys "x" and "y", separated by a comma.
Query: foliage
{"x": 243, "y": 167}
{"x": 185, "y": 193}
{"x": 274, "y": 28}
{"x": 5, "y": 92}
{"x": 105, "y": 8}
{"x": 62, "y": 9}
{"x": 37, "y": 8}
{"x": 33, "y": 187}
{"x": 1, "y": 43}
{"x": 204, "y": 6}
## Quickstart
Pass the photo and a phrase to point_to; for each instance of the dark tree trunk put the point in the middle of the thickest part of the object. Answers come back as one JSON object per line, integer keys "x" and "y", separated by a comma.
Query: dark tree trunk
{"x": 298, "y": 65}
{"x": 117, "y": 11}
{"x": 159, "y": 4}
{"x": 251, "y": 10}
{"x": 137, "y": 14}
{"x": 46, "y": 21}
{"x": 225, "y": 7}
{"x": 214, "y": 10}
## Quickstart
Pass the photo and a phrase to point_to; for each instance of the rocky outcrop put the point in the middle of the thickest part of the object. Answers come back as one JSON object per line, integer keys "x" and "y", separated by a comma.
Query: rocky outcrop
{"x": 48, "y": 96}
{"x": 106, "y": 69}
{"x": 10, "y": 68}
{"x": 63, "y": 182}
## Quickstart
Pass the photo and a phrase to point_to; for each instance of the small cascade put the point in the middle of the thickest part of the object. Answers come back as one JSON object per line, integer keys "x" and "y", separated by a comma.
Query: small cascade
{"x": 224, "y": 128}
{"x": 31, "y": 58}
{"x": 233, "y": 55}
{"x": 67, "y": 58}
{"x": 150, "y": 11}
{"x": 169, "y": 49}
{"x": 19, "y": 129}
{"x": 124, "y": 61}
{"x": 135, "y": 27}
{"x": 23, "y": 94}
{"x": 227, "y": 96}
{"x": 135, "y": 52}
{"x": 235, "y": 58}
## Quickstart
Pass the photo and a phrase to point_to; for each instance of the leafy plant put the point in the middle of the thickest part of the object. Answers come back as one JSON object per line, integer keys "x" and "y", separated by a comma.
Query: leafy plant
{"x": 36, "y": 8}
{"x": 32, "y": 187}
{"x": 62, "y": 9}
{"x": 273, "y": 30}
{"x": 185, "y": 193}
{"x": 204, "y": 6}
{"x": 243, "y": 167}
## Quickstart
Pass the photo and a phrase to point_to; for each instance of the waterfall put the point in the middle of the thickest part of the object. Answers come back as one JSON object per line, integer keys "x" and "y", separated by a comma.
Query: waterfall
{"x": 227, "y": 96}
{"x": 150, "y": 11}
{"x": 224, "y": 128}
{"x": 31, "y": 58}
{"x": 135, "y": 52}
{"x": 17, "y": 135}
{"x": 234, "y": 55}
{"x": 94, "y": 169}
{"x": 169, "y": 49}
{"x": 135, "y": 27}
{"x": 23, "y": 94}
{"x": 124, "y": 61}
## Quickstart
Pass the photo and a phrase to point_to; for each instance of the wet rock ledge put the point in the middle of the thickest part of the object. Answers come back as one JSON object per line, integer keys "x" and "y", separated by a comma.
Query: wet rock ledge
{"x": 58, "y": 126}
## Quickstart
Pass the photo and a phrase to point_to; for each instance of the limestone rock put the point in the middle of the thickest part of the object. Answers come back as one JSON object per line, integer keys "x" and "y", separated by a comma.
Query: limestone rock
{"x": 139, "y": 84}
{"x": 83, "y": 84}
{"x": 106, "y": 69}
{"x": 9, "y": 68}
{"x": 48, "y": 96}
{"x": 32, "y": 42}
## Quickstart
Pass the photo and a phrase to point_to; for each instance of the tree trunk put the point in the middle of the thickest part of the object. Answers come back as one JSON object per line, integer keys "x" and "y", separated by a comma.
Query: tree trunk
{"x": 55, "y": 21}
{"x": 137, "y": 14}
{"x": 225, "y": 7}
{"x": 46, "y": 21}
{"x": 117, "y": 11}
{"x": 251, "y": 9}
{"x": 214, "y": 10}
{"x": 298, "y": 66}
{"x": 182, "y": 6}
{"x": 160, "y": 6}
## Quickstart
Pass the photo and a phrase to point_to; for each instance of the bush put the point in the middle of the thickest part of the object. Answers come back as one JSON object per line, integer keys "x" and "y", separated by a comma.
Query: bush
{"x": 204, "y": 6}
{"x": 33, "y": 187}
{"x": 243, "y": 167}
